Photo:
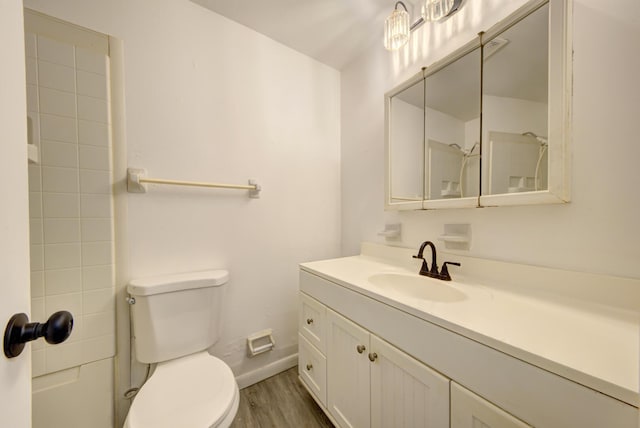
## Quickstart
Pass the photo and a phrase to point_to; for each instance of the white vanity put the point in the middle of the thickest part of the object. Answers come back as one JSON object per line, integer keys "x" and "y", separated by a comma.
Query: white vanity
{"x": 502, "y": 345}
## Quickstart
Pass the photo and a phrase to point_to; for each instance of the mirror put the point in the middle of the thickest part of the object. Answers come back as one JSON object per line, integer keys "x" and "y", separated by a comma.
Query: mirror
{"x": 515, "y": 107}
{"x": 494, "y": 124}
{"x": 453, "y": 129}
{"x": 405, "y": 121}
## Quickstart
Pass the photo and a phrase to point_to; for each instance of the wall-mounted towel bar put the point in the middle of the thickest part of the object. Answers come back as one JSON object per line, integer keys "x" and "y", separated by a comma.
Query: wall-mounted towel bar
{"x": 136, "y": 180}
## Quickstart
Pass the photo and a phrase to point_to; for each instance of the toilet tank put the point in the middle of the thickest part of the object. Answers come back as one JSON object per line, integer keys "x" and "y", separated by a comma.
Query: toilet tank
{"x": 176, "y": 315}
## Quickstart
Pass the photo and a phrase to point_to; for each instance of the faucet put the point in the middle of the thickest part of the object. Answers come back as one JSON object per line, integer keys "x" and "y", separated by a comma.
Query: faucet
{"x": 433, "y": 272}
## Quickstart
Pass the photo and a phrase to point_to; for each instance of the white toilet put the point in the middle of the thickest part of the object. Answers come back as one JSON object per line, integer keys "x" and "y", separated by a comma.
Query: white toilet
{"x": 176, "y": 318}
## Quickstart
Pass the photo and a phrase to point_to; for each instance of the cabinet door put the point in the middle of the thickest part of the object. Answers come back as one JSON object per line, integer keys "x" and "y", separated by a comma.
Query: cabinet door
{"x": 404, "y": 392}
{"x": 348, "y": 379}
{"x": 312, "y": 369}
{"x": 468, "y": 410}
{"x": 311, "y": 321}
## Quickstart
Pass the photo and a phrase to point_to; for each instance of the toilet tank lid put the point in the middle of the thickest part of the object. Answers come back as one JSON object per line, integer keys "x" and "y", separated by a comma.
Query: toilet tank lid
{"x": 177, "y": 282}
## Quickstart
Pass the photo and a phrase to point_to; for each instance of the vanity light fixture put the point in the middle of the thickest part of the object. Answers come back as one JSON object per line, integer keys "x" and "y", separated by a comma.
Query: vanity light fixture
{"x": 397, "y": 29}
{"x": 435, "y": 10}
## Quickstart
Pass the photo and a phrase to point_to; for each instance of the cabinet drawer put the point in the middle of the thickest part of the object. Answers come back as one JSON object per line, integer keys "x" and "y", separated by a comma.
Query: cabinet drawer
{"x": 313, "y": 321}
{"x": 469, "y": 410}
{"x": 312, "y": 369}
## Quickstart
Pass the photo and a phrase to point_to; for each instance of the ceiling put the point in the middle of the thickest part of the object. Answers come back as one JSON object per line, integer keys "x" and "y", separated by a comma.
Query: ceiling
{"x": 333, "y": 32}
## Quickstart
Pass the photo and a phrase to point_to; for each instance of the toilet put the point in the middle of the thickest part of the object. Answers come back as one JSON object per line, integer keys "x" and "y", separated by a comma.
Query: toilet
{"x": 175, "y": 319}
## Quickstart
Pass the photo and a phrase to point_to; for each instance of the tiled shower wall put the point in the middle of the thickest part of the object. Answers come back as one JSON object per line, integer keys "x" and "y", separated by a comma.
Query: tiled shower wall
{"x": 70, "y": 203}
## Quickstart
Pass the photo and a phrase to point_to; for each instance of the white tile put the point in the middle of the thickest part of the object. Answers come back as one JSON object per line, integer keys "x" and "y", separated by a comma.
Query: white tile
{"x": 37, "y": 362}
{"x": 61, "y": 103}
{"x": 56, "y": 76}
{"x": 62, "y": 256}
{"x": 55, "y": 51}
{"x": 33, "y": 128}
{"x": 99, "y": 324}
{"x": 61, "y": 205}
{"x": 36, "y": 257}
{"x": 93, "y": 157}
{"x": 60, "y": 154}
{"x": 61, "y": 230}
{"x": 71, "y": 302}
{"x": 32, "y": 98}
{"x": 37, "y": 284}
{"x": 59, "y": 180}
{"x": 58, "y": 128}
{"x": 93, "y": 109}
{"x": 35, "y": 231}
{"x": 92, "y": 181}
{"x": 35, "y": 205}
{"x": 37, "y": 309}
{"x": 30, "y": 45}
{"x": 31, "y": 67}
{"x": 102, "y": 300}
{"x": 91, "y": 61}
{"x": 96, "y": 229}
{"x": 93, "y": 133}
{"x": 95, "y": 277}
{"x": 99, "y": 348}
{"x": 63, "y": 356}
{"x": 63, "y": 281}
{"x": 91, "y": 84}
{"x": 95, "y": 206}
{"x": 96, "y": 253}
{"x": 35, "y": 178}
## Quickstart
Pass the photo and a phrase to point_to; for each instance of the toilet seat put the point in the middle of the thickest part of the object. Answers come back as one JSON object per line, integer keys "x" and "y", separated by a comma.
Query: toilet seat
{"x": 196, "y": 391}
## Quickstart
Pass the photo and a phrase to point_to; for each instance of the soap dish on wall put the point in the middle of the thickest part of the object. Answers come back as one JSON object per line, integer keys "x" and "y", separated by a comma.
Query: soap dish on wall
{"x": 456, "y": 236}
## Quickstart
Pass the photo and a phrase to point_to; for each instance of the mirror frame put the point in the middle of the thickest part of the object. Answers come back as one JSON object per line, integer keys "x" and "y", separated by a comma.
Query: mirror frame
{"x": 559, "y": 108}
{"x": 388, "y": 204}
{"x": 559, "y": 114}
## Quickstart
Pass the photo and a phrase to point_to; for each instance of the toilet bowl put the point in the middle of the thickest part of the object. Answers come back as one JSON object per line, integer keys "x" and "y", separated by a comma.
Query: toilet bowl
{"x": 175, "y": 319}
{"x": 196, "y": 391}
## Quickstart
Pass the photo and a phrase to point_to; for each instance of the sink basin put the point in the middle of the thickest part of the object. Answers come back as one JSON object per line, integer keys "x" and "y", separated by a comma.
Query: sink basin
{"x": 418, "y": 287}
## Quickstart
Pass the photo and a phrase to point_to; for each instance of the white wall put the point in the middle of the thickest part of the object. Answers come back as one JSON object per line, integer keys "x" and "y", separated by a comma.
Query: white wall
{"x": 597, "y": 231}
{"x": 207, "y": 99}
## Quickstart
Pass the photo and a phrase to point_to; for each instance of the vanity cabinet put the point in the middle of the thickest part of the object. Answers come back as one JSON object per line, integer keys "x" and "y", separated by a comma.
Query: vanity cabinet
{"x": 469, "y": 410}
{"x": 369, "y": 383}
{"x": 424, "y": 374}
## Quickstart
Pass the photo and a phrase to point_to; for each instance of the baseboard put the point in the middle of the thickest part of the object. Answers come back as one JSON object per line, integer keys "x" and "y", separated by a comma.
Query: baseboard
{"x": 271, "y": 369}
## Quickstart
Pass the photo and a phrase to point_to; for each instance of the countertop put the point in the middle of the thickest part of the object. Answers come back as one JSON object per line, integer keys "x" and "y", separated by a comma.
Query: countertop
{"x": 593, "y": 344}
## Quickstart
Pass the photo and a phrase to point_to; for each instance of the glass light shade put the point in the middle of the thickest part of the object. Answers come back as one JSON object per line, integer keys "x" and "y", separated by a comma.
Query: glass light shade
{"x": 435, "y": 10}
{"x": 396, "y": 30}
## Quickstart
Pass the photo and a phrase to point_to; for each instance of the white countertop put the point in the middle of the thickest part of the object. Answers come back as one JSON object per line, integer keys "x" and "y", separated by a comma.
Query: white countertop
{"x": 592, "y": 344}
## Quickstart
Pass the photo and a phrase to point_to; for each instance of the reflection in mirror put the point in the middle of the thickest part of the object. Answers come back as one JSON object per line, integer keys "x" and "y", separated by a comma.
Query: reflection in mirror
{"x": 453, "y": 129}
{"x": 406, "y": 149}
{"x": 515, "y": 107}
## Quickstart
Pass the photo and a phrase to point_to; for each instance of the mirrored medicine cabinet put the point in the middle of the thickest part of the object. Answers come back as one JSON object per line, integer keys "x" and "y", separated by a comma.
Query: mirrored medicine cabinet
{"x": 489, "y": 124}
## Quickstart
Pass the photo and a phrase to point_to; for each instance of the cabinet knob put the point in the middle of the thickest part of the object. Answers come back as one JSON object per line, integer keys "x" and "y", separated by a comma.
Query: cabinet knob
{"x": 309, "y": 321}
{"x": 309, "y": 367}
{"x": 373, "y": 357}
{"x": 360, "y": 349}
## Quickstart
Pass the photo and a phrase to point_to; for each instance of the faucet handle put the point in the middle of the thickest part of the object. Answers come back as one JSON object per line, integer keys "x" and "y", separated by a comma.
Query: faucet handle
{"x": 444, "y": 274}
{"x": 424, "y": 269}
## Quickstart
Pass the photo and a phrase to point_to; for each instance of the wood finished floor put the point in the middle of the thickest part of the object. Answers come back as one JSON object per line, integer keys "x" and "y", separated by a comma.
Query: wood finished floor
{"x": 280, "y": 401}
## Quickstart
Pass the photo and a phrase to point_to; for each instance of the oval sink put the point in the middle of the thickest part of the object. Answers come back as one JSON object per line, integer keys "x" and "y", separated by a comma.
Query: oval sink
{"x": 418, "y": 287}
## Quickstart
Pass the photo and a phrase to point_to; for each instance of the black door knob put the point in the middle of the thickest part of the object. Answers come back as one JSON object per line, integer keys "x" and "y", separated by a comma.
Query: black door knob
{"x": 20, "y": 331}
